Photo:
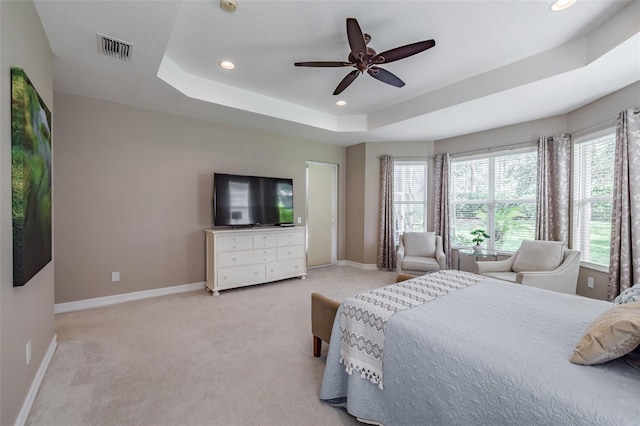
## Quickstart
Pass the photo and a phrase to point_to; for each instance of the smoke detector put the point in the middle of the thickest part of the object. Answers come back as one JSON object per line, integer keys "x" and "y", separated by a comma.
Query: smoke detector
{"x": 115, "y": 48}
{"x": 229, "y": 5}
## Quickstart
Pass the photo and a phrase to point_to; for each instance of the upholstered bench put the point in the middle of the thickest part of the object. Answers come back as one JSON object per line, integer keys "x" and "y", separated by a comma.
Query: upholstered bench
{"x": 323, "y": 313}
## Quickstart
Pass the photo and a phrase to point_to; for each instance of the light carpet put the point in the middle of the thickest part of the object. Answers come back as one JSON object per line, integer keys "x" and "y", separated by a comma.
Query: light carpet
{"x": 244, "y": 358}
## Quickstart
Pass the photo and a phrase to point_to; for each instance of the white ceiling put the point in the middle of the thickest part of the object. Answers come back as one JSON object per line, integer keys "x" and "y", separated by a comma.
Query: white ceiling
{"x": 495, "y": 63}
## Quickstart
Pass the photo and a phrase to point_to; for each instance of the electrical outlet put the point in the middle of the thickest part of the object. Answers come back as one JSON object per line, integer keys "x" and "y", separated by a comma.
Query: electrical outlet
{"x": 115, "y": 277}
{"x": 28, "y": 352}
{"x": 590, "y": 282}
{"x": 299, "y": 220}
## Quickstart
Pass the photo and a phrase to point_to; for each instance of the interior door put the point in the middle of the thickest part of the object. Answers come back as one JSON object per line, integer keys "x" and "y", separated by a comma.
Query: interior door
{"x": 322, "y": 195}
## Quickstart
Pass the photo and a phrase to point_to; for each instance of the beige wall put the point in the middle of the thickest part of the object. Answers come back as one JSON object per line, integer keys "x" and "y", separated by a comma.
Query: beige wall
{"x": 355, "y": 187}
{"x": 605, "y": 109}
{"x": 134, "y": 189}
{"x": 26, "y": 313}
{"x": 364, "y": 179}
{"x": 134, "y": 197}
{"x": 588, "y": 118}
{"x": 523, "y": 133}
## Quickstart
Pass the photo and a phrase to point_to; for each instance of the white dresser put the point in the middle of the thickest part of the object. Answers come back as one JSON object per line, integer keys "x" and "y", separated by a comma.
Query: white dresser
{"x": 237, "y": 258}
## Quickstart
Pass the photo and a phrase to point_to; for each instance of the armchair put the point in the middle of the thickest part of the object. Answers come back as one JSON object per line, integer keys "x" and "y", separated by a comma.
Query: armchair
{"x": 542, "y": 264}
{"x": 419, "y": 253}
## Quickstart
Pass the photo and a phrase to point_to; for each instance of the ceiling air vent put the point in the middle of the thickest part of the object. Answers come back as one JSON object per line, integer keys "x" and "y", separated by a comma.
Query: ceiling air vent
{"x": 115, "y": 48}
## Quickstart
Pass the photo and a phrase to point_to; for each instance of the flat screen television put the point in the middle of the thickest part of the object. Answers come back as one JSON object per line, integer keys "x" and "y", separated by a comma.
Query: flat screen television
{"x": 240, "y": 200}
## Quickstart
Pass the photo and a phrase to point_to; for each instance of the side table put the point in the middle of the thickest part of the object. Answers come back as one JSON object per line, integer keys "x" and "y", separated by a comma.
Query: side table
{"x": 477, "y": 254}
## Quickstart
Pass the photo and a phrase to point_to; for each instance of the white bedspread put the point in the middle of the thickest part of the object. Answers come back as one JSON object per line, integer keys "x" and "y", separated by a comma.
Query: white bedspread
{"x": 363, "y": 317}
{"x": 491, "y": 354}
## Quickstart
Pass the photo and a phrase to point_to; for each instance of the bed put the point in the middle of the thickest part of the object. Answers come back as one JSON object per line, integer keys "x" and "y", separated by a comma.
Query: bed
{"x": 485, "y": 353}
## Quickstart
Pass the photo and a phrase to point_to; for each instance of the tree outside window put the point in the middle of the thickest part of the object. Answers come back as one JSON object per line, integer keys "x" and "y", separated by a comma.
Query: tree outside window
{"x": 496, "y": 193}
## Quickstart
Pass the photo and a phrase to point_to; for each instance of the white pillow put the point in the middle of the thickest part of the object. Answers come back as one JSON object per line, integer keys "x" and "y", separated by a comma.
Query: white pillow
{"x": 420, "y": 244}
{"x": 538, "y": 256}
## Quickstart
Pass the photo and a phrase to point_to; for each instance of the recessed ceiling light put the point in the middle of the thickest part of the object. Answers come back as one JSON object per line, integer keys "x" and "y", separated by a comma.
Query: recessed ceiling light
{"x": 559, "y": 5}
{"x": 227, "y": 65}
{"x": 341, "y": 103}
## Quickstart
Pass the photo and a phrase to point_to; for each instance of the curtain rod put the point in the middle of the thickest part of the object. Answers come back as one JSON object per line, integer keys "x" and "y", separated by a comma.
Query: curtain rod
{"x": 594, "y": 126}
{"x": 531, "y": 143}
{"x": 495, "y": 148}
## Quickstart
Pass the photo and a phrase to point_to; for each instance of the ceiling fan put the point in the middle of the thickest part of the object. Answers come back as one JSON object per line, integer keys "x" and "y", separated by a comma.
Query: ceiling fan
{"x": 364, "y": 58}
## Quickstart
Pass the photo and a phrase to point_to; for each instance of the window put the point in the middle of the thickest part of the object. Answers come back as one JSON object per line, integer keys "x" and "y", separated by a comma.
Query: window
{"x": 593, "y": 197}
{"x": 409, "y": 196}
{"x": 496, "y": 193}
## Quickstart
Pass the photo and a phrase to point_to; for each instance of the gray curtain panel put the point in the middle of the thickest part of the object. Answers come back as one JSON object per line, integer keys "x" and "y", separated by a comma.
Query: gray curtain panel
{"x": 624, "y": 268}
{"x": 386, "y": 243}
{"x": 442, "y": 164}
{"x": 554, "y": 179}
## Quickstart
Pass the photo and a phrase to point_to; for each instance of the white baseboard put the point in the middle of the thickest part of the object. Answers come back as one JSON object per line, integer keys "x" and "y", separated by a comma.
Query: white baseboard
{"x": 126, "y": 297}
{"x": 37, "y": 381}
{"x": 365, "y": 266}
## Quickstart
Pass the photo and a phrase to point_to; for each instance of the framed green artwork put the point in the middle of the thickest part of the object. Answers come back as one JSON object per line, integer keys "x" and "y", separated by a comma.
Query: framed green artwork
{"x": 30, "y": 179}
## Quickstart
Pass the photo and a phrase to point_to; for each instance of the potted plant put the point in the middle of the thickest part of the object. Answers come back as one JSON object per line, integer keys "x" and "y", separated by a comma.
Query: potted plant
{"x": 479, "y": 235}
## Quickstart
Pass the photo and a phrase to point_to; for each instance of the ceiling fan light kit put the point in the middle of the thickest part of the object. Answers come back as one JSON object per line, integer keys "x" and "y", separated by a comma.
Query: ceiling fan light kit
{"x": 364, "y": 58}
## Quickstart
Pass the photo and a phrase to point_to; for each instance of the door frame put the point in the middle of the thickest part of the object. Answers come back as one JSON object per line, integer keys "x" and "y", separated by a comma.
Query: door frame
{"x": 334, "y": 209}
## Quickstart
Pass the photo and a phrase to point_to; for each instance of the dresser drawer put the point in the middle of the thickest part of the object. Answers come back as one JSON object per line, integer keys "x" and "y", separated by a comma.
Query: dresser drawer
{"x": 292, "y": 252}
{"x": 239, "y": 276}
{"x": 235, "y": 258}
{"x": 286, "y": 269}
{"x": 264, "y": 241}
{"x": 265, "y": 255}
{"x": 235, "y": 243}
{"x": 290, "y": 239}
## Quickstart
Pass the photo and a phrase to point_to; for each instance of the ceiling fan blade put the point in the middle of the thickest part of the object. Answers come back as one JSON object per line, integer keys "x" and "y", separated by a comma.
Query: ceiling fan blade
{"x": 346, "y": 82}
{"x": 385, "y": 76}
{"x": 323, "y": 64}
{"x": 402, "y": 52}
{"x": 356, "y": 39}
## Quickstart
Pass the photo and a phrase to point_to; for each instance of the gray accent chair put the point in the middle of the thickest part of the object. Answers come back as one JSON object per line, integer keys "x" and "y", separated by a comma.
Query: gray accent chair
{"x": 419, "y": 253}
{"x": 542, "y": 264}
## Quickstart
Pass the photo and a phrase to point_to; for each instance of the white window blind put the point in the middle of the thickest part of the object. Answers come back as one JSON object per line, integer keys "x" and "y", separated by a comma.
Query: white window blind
{"x": 409, "y": 196}
{"x": 496, "y": 193}
{"x": 593, "y": 198}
